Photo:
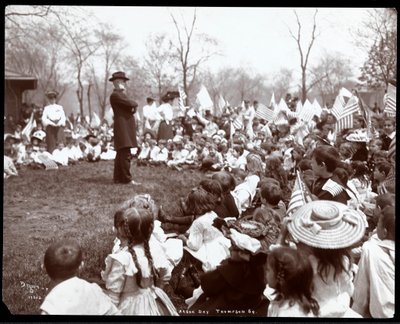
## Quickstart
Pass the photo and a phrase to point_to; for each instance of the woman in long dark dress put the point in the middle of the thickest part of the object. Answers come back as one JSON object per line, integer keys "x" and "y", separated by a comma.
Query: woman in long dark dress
{"x": 165, "y": 130}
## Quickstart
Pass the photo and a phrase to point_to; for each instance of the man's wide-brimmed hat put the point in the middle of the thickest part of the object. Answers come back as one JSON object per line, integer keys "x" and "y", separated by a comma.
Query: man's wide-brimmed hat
{"x": 118, "y": 75}
{"x": 327, "y": 224}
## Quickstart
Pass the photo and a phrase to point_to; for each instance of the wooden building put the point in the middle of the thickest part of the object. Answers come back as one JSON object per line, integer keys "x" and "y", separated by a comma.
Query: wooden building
{"x": 15, "y": 85}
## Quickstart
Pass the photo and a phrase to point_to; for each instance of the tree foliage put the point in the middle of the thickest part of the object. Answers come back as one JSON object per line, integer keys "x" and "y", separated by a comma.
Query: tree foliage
{"x": 381, "y": 65}
{"x": 379, "y": 37}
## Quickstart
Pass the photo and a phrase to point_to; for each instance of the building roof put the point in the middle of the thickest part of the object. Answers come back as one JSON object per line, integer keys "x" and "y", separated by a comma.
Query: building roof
{"x": 12, "y": 75}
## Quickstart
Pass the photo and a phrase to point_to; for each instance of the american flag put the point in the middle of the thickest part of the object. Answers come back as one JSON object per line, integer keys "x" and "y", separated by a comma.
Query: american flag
{"x": 338, "y": 107}
{"x": 280, "y": 111}
{"x": 392, "y": 148}
{"x": 332, "y": 187}
{"x": 47, "y": 162}
{"x": 299, "y": 106}
{"x": 29, "y": 127}
{"x": 263, "y": 112}
{"x": 301, "y": 195}
{"x": 351, "y": 107}
{"x": 390, "y": 104}
{"x": 220, "y": 106}
{"x": 182, "y": 97}
{"x": 344, "y": 114}
{"x": 307, "y": 112}
{"x": 237, "y": 123}
{"x": 343, "y": 123}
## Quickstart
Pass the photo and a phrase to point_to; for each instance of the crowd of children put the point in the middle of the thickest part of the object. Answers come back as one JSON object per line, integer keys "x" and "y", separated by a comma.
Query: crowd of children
{"x": 282, "y": 225}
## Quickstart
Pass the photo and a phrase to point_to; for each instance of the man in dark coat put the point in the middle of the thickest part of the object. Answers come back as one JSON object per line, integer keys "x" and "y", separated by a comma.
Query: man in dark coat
{"x": 124, "y": 128}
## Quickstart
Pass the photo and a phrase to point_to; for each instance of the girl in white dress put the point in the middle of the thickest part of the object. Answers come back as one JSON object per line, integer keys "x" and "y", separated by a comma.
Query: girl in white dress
{"x": 204, "y": 241}
{"x": 135, "y": 271}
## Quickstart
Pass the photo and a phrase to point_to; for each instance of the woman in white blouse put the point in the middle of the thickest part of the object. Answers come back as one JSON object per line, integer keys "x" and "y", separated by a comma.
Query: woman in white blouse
{"x": 165, "y": 110}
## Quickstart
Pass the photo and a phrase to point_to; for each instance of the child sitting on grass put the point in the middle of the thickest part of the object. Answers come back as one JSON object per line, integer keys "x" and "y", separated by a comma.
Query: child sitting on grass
{"x": 271, "y": 196}
{"x": 381, "y": 177}
{"x": 135, "y": 271}
{"x": 69, "y": 294}
{"x": 162, "y": 156}
{"x": 227, "y": 207}
{"x": 9, "y": 167}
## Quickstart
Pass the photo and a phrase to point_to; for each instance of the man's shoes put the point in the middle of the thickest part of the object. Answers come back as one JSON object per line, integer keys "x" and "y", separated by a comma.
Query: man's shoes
{"x": 135, "y": 183}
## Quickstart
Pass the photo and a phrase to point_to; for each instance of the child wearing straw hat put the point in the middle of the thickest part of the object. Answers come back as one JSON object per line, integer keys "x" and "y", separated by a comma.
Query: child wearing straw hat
{"x": 326, "y": 230}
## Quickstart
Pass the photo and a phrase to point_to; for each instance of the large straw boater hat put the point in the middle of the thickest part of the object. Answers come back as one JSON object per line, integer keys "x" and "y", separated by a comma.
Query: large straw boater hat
{"x": 327, "y": 225}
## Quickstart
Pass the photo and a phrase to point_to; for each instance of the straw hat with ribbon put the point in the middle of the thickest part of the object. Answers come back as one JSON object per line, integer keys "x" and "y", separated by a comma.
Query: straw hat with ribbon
{"x": 327, "y": 224}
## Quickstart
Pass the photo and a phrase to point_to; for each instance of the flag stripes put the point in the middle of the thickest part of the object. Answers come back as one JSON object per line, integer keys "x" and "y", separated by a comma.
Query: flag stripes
{"x": 263, "y": 112}
{"x": 337, "y": 108}
{"x": 390, "y": 104}
{"x": 343, "y": 123}
{"x": 48, "y": 163}
{"x": 392, "y": 148}
{"x": 351, "y": 107}
{"x": 237, "y": 123}
{"x": 29, "y": 127}
{"x": 300, "y": 195}
{"x": 332, "y": 187}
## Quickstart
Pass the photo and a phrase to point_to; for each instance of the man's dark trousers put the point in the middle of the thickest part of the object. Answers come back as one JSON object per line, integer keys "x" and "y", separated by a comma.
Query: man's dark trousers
{"x": 122, "y": 166}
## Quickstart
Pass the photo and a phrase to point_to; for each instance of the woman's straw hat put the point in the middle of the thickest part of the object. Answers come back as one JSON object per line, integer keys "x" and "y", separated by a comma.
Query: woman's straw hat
{"x": 327, "y": 225}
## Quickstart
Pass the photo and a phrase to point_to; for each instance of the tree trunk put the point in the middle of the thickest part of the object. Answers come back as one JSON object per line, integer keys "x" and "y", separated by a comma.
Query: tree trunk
{"x": 89, "y": 102}
{"x": 303, "y": 87}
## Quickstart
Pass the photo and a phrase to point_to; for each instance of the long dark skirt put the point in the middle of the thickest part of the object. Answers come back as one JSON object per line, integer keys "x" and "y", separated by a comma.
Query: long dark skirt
{"x": 165, "y": 131}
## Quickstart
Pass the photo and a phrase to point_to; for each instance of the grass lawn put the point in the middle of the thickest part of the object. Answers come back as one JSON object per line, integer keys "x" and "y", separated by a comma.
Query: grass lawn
{"x": 74, "y": 202}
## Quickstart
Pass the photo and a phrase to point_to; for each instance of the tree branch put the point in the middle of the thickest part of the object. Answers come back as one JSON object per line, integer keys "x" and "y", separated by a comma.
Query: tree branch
{"x": 312, "y": 38}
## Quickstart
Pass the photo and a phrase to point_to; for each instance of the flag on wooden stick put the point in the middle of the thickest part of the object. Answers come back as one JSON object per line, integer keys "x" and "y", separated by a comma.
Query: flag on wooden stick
{"x": 237, "y": 123}
{"x": 204, "y": 100}
{"x": 220, "y": 106}
{"x": 301, "y": 195}
{"x": 392, "y": 149}
{"x": 390, "y": 101}
{"x": 263, "y": 112}
{"x": 26, "y": 132}
{"x": 95, "y": 120}
{"x": 272, "y": 102}
{"x": 343, "y": 123}
{"x": 307, "y": 112}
